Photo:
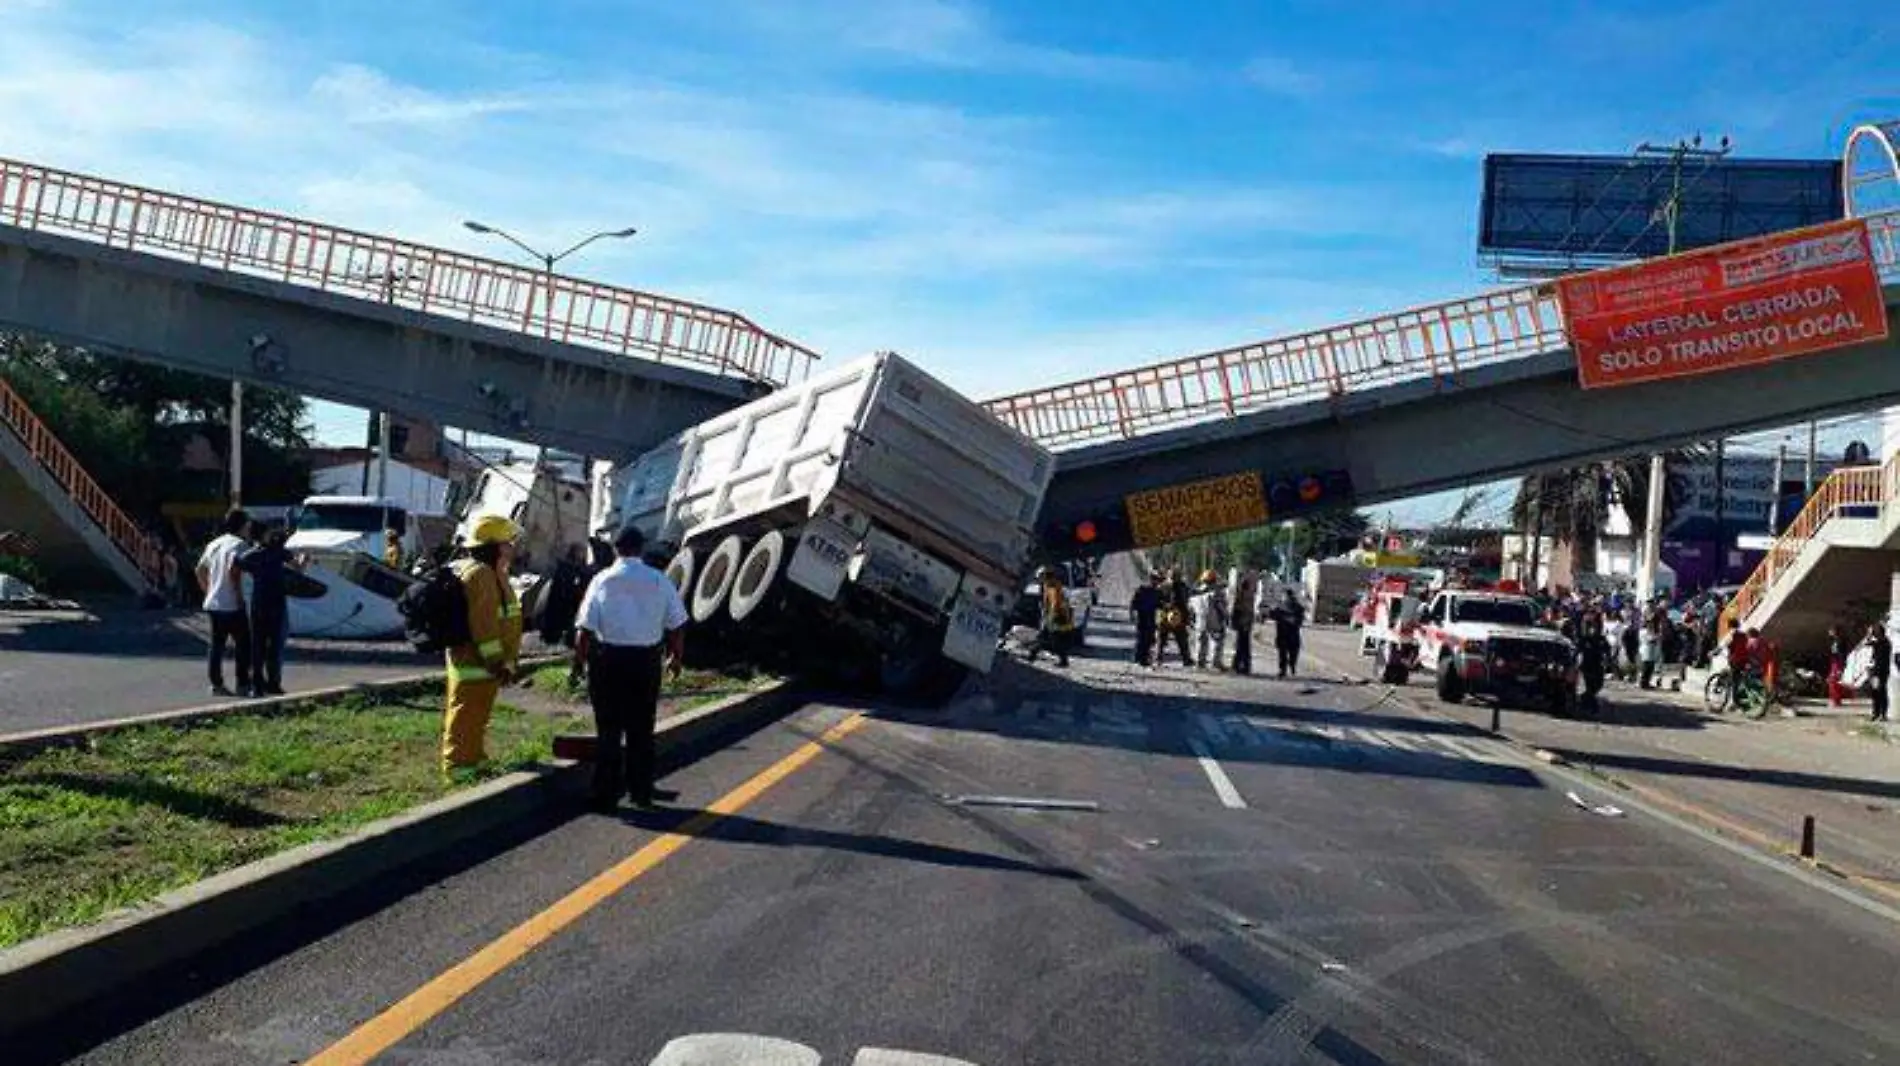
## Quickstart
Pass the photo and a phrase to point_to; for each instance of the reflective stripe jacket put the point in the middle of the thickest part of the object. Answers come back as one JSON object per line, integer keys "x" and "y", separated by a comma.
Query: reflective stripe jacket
{"x": 494, "y": 624}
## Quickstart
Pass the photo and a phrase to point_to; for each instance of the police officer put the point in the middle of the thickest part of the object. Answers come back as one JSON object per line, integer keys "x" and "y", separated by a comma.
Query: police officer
{"x": 629, "y": 616}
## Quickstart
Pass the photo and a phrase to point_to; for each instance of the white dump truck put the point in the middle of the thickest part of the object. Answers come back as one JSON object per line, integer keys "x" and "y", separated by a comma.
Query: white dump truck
{"x": 871, "y": 518}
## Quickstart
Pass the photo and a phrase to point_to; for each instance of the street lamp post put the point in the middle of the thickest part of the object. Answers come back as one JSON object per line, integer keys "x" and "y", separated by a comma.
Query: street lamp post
{"x": 547, "y": 261}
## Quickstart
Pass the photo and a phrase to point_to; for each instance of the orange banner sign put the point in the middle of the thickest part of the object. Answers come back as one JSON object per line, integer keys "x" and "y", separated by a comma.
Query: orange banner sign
{"x": 1725, "y": 307}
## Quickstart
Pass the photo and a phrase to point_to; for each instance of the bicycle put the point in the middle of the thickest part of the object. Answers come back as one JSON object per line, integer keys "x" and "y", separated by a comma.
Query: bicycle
{"x": 1750, "y": 695}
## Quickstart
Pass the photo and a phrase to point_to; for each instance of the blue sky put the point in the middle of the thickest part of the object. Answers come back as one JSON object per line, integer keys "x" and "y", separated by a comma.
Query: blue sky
{"x": 1013, "y": 193}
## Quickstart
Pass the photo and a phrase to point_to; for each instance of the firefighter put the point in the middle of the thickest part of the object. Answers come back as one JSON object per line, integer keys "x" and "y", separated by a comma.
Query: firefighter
{"x": 478, "y": 669}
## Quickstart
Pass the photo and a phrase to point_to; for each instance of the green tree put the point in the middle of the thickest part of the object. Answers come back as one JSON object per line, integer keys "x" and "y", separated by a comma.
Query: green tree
{"x": 128, "y": 423}
{"x": 1573, "y": 504}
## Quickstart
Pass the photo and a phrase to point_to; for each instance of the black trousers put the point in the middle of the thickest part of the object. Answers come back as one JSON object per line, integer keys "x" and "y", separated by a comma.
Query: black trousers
{"x": 1181, "y": 642}
{"x": 1144, "y": 643}
{"x": 1877, "y": 690}
{"x": 1289, "y": 657}
{"x": 1243, "y": 650}
{"x": 233, "y": 626}
{"x": 623, "y": 683}
{"x": 267, "y": 646}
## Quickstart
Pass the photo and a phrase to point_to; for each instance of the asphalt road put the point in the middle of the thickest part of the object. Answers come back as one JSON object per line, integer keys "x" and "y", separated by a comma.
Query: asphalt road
{"x": 68, "y": 667}
{"x": 1250, "y": 871}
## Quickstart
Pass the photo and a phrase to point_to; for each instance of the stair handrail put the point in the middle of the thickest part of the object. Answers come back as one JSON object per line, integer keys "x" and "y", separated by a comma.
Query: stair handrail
{"x": 144, "y": 551}
{"x": 1855, "y": 486}
{"x": 333, "y": 259}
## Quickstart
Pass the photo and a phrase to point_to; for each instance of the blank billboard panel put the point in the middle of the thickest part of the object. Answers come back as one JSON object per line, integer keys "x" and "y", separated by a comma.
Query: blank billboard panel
{"x": 1591, "y": 210}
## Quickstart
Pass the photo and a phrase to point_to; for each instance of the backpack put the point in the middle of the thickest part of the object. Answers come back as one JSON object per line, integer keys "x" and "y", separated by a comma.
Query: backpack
{"x": 435, "y": 612}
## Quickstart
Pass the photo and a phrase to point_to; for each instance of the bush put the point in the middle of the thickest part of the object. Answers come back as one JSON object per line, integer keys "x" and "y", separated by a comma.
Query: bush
{"x": 23, "y": 568}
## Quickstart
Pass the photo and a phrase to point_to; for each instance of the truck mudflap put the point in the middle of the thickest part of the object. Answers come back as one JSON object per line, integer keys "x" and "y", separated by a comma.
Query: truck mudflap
{"x": 976, "y": 625}
{"x": 825, "y": 549}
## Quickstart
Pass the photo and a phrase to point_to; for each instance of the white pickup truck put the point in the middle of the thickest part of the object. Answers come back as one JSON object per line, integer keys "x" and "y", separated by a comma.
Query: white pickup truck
{"x": 870, "y": 519}
{"x": 1488, "y": 643}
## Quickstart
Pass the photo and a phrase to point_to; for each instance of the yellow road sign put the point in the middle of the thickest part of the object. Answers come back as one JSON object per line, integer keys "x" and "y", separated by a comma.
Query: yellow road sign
{"x": 1177, "y": 512}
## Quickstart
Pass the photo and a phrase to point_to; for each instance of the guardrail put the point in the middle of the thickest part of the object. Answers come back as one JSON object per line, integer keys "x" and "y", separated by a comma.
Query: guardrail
{"x": 435, "y": 280}
{"x": 145, "y": 551}
{"x": 1859, "y": 486}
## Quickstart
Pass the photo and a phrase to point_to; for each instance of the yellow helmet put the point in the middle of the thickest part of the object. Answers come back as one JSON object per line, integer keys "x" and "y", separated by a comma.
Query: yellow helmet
{"x": 1208, "y": 577}
{"x": 493, "y": 529}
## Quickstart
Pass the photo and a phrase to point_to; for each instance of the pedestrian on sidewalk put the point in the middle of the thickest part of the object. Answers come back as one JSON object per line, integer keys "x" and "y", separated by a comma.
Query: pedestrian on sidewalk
{"x": 1287, "y": 620}
{"x": 1145, "y": 605}
{"x": 267, "y": 564}
{"x": 1836, "y": 665}
{"x": 223, "y": 587}
{"x": 1210, "y": 622}
{"x": 1246, "y": 597}
{"x": 1879, "y": 667}
{"x": 1055, "y": 619}
{"x": 630, "y": 617}
{"x": 1649, "y": 648}
{"x": 1593, "y": 659}
{"x": 1632, "y": 645}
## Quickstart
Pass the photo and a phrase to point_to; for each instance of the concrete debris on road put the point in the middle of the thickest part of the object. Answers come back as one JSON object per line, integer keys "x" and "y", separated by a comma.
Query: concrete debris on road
{"x": 1606, "y": 810}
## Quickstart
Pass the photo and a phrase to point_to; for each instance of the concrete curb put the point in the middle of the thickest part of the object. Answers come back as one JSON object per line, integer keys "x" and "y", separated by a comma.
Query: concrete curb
{"x": 53, "y": 974}
{"x": 293, "y": 703}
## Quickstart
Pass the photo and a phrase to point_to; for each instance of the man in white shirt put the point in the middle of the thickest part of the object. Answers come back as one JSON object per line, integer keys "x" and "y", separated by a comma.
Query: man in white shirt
{"x": 629, "y": 615}
{"x": 223, "y": 587}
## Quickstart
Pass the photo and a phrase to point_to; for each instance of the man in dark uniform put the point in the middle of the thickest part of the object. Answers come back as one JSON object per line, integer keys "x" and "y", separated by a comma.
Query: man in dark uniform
{"x": 1145, "y": 605}
{"x": 629, "y": 617}
{"x": 1880, "y": 669}
{"x": 1287, "y": 620}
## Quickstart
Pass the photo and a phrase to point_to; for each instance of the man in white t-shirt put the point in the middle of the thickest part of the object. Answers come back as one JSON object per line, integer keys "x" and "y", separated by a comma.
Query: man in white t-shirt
{"x": 223, "y": 586}
{"x": 630, "y": 616}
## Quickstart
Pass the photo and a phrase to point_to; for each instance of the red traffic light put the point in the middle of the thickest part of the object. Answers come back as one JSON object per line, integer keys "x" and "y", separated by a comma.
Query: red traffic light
{"x": 1085, "y": 532}
{"x": 1310, "y": 489}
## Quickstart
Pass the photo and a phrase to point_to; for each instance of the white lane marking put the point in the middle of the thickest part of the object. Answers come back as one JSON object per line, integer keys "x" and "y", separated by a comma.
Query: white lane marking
{"x": 1476, "y": 751}
{"x": 1369, "y": 736}
{"x": 1403, "y": 742}
{"x": 1330, "y": 732}
{"x": 877, "y": 1056}
{"x": 735, "y": 1049}
{"x": 1223, "y": 786}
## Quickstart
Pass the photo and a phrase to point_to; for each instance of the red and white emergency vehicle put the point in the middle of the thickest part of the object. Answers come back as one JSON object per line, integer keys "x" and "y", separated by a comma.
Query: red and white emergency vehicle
{"x": 1487, "y": 642}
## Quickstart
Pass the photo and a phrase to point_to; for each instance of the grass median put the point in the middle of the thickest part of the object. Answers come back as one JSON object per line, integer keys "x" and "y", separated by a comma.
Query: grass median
{"x": 136, "y": 812}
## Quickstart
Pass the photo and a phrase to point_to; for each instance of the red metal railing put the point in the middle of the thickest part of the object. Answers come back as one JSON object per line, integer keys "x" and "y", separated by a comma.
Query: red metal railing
{"x": 1425, "y": 342}
{"x": 418, "y": 276}
{"x": 1860, "y": 486}
{"x": 145, "y": 551}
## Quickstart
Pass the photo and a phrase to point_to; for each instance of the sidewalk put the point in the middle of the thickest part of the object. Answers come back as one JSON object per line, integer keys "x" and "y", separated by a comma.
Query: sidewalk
{"x": 1750, "y": 780}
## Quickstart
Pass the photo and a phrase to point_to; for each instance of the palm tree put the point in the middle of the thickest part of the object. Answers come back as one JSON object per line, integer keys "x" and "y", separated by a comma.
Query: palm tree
{"x": 1573, "y": 503}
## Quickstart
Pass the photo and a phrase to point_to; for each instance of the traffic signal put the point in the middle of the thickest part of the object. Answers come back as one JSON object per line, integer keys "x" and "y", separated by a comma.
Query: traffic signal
{"x": 1295, "y": 494}
{"x": 1091, "y": 533}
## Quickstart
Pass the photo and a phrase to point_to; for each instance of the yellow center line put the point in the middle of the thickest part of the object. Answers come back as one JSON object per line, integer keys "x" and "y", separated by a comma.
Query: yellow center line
{"x": 415, "y": 1010}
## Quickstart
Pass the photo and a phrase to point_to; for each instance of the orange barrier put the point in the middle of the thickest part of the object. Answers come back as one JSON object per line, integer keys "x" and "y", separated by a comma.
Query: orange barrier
{"x": 145, "y": 551}
{"x": 417, "y": 276}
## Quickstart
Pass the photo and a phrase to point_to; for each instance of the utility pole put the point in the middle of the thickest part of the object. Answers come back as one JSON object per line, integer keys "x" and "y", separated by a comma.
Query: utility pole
{"x": 237, "y": 443}
{"x": 1774, "y": 495}
{"x": 1671, "y": 211}
{"x": 1807, "y": 480}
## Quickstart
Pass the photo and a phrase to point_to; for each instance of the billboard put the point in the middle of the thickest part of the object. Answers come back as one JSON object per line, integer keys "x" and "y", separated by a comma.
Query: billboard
{"x": 1573, "y": 210}
{"x": 1726, "y": 307}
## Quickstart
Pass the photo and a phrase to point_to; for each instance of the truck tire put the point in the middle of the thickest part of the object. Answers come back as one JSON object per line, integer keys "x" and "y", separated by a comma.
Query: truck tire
{"x": 715, "y": 578}
{"x": 1451, "y": 687}
{"x": 758, "y": 576}
{"x": 681, "y": 570}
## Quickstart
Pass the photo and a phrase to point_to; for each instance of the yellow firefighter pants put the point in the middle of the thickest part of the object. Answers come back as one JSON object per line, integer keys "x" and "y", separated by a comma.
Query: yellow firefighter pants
{"x": 465, "y": 723}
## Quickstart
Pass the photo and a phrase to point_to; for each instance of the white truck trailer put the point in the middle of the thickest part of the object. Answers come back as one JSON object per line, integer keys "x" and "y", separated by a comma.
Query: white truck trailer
{"x": 871, "y": 517}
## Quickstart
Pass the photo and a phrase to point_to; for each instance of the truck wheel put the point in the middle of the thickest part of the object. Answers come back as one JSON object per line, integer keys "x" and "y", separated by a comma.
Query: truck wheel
{"x": 681, "y": 569}
{"x": 1451, "y": 687}
{"x": 715, "y": 578}
{"x": 758, "y": 575}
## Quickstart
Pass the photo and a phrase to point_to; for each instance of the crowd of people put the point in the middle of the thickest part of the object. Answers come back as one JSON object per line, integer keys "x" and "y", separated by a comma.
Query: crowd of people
{"x": 1195, "y": 621}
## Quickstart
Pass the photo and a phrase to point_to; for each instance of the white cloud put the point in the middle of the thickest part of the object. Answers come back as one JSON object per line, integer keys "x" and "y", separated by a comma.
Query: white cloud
{"x": 849, "y": 221}
{"x": 1282, "y": 76}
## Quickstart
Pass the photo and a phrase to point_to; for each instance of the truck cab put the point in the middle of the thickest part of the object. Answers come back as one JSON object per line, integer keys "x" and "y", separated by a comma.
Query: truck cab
{"x": 1489, "y": 643}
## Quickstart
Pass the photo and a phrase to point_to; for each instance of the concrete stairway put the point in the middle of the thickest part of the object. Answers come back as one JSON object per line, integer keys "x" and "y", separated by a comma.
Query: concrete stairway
{"x": 86, "y": 543}
{"x": 1837, "y": 557}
